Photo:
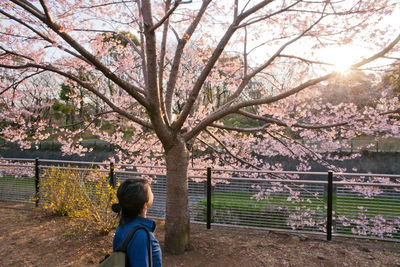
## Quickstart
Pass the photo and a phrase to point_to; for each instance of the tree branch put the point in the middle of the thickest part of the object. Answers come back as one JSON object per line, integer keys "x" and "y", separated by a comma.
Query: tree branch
{"x": 142, "y": 49}
{"x": 106, "y": 4}
{"x": 72, "y": 53}
{"x": 161, "y": 65}
{"x": 15, "y": 54}
{"x": 169, "y": 13}
{"x": 26, "y": 25}
{"x": 177, "y": 59}
{"x": 395, "y": 58}
{"x": 240, "y": 129}
{"x": 263, "y": 129}
{"x": 230, "y": 152}
{"x": 90, "y": 123}
{"x": 128, "y": 40}
{"x": 297, "y": 125}
{"x": 129, "y": 88}
{"x": 82, "y": 121}
{"x": 281, "y": 142}
{"x": 306, "y": 60}
{"x": 46, "y": 11}
{"x": 153, "y": 92}
{"x": 247, "y": 79}
{"x": 391, "y": 112}
{"x": 235, "y": 9}
{"x": 245, "y": 67}
{"x": 378, "y": 55}
{"x": 215, "y": 149}
{"x": 30, "y": 8}
{"x": 283, "y": 124}
{"x": 15, "y": 84}
{"x": 317, "y": 156}
{"x": 220, "y": 113}
{"x": 269, "y": 15}
{"x": 211, "y": 62}
{"x": 43, "y": 36}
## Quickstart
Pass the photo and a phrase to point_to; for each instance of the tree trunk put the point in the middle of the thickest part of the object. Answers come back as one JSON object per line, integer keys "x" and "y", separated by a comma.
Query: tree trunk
{"x": 177, "y": 218}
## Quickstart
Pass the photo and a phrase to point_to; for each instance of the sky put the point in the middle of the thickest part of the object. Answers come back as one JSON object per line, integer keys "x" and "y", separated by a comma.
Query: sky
{"x": 340, "y": 55}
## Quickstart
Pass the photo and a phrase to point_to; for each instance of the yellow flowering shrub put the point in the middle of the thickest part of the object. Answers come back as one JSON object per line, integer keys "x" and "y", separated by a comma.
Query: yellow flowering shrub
{"x": 93, "y": 205}
{"x": 84, "y": 195}
{"x": 58, "y": 188}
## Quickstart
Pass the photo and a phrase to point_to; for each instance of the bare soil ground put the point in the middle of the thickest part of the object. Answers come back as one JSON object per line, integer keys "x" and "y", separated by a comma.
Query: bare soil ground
{"x": 30, "y": 237}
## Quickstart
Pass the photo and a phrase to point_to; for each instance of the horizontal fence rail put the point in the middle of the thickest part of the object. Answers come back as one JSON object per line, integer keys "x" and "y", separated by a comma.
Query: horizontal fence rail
{"x": 325, "y": 203}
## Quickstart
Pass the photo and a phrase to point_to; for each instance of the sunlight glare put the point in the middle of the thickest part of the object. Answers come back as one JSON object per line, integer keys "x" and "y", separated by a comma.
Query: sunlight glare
{"x": 342, "y": 67}
{"x": 342, "y": 58}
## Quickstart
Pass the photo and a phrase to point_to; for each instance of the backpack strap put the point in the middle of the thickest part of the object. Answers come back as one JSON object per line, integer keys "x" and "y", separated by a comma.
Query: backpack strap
{"x": 124, "y": 245}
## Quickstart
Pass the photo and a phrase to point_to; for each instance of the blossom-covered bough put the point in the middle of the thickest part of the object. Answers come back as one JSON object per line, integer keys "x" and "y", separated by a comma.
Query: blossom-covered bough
{"x": 230, "y": 82}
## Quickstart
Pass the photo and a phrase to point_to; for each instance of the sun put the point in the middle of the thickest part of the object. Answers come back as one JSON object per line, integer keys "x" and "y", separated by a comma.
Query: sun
{"x": 342, "y": 58}
{"x": 342, "y": 66}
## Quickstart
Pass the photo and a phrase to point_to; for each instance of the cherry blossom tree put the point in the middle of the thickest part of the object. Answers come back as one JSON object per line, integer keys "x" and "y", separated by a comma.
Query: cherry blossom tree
{"x": 233, "y": 81}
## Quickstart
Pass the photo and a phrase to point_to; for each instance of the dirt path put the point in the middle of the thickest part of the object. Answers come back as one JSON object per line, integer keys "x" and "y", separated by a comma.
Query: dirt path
{"x": 29, "y": 237}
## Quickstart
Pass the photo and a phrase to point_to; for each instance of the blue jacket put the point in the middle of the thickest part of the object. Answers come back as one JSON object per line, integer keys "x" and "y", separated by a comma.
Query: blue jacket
{"x": 137, "y": 250}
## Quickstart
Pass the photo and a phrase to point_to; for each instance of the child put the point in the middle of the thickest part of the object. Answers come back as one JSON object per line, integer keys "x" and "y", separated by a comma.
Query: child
{"x": 135, "y": 197}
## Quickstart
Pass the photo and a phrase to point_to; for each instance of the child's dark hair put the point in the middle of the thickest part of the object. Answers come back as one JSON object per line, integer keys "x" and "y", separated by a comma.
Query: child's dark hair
{"x": 132, "y": 195}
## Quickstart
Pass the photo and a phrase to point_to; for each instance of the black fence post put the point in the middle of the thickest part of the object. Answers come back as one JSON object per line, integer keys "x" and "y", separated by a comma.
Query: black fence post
{"x": 37, "y": 182}
{"x": 329, "y": 206}
{"x": 112, "y": 176}
{"x": 208, "y": 198}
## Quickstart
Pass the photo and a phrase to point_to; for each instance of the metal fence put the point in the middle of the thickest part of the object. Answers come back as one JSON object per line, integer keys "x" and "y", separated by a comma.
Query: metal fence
{"x": 325, "y": 203}
{"x": 19, "y": 187}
